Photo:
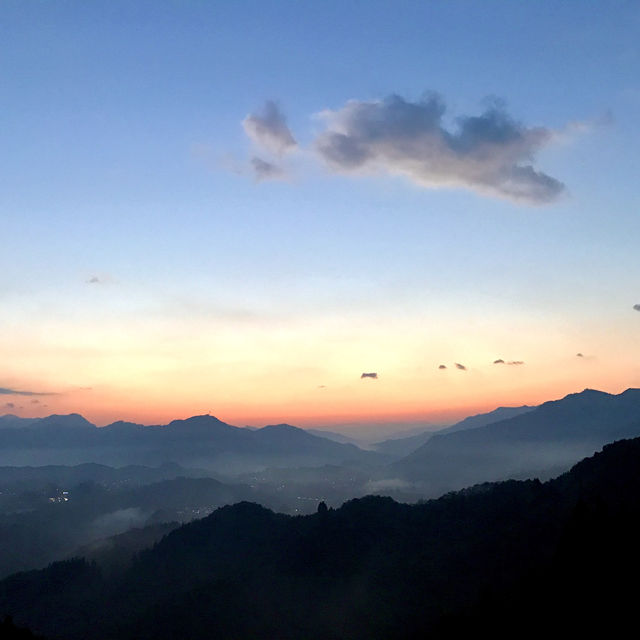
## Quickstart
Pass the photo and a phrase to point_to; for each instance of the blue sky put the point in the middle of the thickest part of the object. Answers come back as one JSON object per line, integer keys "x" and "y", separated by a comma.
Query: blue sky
{"x": 125, "y": 162}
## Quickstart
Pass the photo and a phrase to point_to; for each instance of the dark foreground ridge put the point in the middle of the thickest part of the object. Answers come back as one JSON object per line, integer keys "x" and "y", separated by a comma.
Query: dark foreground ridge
{"x": 509, "y": 558}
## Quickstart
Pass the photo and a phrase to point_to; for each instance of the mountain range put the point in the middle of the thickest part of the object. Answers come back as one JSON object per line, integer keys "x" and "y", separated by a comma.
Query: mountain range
{"x": 537, "y": 442}
{"x": 520, "y": 558}
{"x": 199, "y": 441}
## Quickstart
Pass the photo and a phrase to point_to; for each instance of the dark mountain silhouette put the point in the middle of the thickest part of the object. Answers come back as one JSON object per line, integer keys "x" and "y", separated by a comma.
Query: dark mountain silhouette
{"x": 22, "y": 479}
{"x": 483, "y": 419}
{"x": 541, "y": 442}
{"x": 72, "y": 420}
{"x": 197, "y": 441}
{"x": 514, "y": 559}
{"x": 48, "y": 521}
{"x": 332, "y": 435}
{"x": 404, "y": 446}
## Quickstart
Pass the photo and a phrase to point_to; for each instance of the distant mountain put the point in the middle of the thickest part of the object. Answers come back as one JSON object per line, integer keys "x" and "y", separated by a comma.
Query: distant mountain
{"x": 72, "y": 420}
{"x": 399, "y": 447}
{"x": 403, "y": 446}
{"x": 483, "y": 419}
{"x": 332, "y": 435}
{"x": 35, "y": 478}
{"x": 538, "y": 442}
{"x": 199, "y": 441}
{"x": 517, "y": 557}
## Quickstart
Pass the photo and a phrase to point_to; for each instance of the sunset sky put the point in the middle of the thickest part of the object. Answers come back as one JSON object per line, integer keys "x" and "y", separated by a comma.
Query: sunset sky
{"x": 240, "y": 207}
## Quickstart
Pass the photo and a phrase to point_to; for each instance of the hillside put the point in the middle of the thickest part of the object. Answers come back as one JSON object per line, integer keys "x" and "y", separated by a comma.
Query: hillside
{"x": 199, "y": 441}
{"x": 541, "y": 442}
{"x": 371, "y": 569}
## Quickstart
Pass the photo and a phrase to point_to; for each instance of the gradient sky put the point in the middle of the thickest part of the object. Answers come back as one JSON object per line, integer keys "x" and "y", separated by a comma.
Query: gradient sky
{"x": 149, "y": 273}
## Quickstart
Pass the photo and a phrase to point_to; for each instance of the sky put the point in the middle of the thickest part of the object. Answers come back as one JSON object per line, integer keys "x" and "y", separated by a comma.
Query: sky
{"x": 241, "y": 207}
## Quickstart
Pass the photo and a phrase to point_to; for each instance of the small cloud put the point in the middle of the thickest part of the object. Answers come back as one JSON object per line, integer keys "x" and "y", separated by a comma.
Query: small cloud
{"x": 322, "y": 386}
{"x": 491, "y": 153}
{"x": 263, "y": 170}
{"x": 636, "y": 307}
{"x": 269, "y": 129}
{"x": 35, "y": 401}
{"x": 374, "y": 376}
{"x": 94, "y": 280}
{"x": 498, "y": 361}
{"x": 15, "y": 392}
{"x": 460, "y": 366}
{"x": 9, "y": 405}
{"x": 510, "y": 362}
{"x": 515, "y": 362}
{"x": 442, "y": 366}
{"x": 580, "y": 355}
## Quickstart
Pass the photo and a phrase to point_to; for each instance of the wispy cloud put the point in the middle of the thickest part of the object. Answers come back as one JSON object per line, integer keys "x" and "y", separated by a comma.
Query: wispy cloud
{"x": 264, "y": 170}
{"x": 460, "y": 366}
{"x": 508, "y": 362}
{"x": 269, "y": 129}
{"x": 490, "y": 153}
{"x": 369, "y": 375}
{"x": 4, "y": 391}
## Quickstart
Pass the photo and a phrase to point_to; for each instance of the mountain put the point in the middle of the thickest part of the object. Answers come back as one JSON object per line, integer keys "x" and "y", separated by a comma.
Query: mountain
{"x": 38, "y": 526}
{"x": 401, "y": 447}
{"x": 332, "y": 435}
{"x": 72, "y": 420}
{"x": 513, "y": 558}
{"x": 199, "y": 441}
{"x": 482, "y": 419}
{"x": 539, "y": 442}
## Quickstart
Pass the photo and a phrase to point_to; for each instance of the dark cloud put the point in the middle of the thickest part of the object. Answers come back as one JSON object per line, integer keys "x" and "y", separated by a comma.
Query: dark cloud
{"x": 94, "y": 280}
{"x": 490, "y": 153}
{"x": 269, "y": 129}
{"x": 442, "y": 366}
{"x": 636, "y": 307}
{"x": 369, "y": 375}
{"x": 580, "y": 355}
{"x": 9, "y": 405}
{"x": 460, "y": 366}
{"x": 264, "y": 170}
{"x": 15, "y": 392}
{"x": 511, "y": 362}
{"x": 498, "y": 361}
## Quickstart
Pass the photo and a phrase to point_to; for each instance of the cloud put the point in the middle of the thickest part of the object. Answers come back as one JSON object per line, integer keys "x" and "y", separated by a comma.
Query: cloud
{"x": 491, "y": 153}
{"x": 442, "y": 366}
{"x": 460, "y": 366}
{"x": 269, "y": 129}
{"x": 580, "y": 355}
{"x": 369, "y": 375}
{"x": 322, "y": 386}
{"x": 35, "y": 401}
{"x": 9, "y": 405}
{"x": 510, "y": 362}
{"x": 498, "y": 361}
{"x": 94, "y": 280}
{"x": 263, "y": 170}
{"x": 15, "y": 392}
{"x": 636, "y": 307}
